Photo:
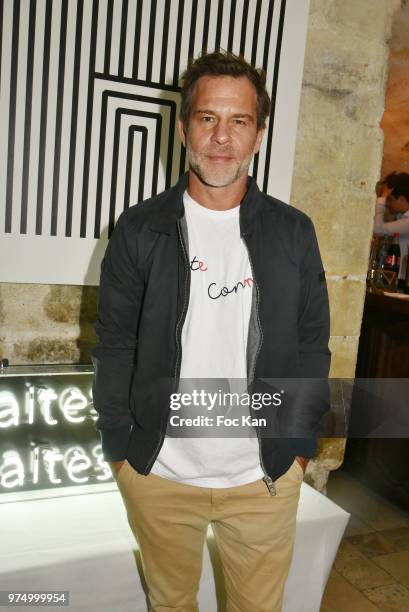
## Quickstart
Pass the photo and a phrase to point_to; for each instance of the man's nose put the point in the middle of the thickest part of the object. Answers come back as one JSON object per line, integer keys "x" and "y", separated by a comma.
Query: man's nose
{"x": 221, "y": 132}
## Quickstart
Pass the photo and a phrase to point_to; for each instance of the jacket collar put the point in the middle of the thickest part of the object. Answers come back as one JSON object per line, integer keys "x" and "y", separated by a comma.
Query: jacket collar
{"x": 171, "y": 207}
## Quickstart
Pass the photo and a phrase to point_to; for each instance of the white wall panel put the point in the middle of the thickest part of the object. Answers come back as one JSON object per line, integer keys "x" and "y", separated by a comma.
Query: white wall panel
{"x": 89, "y": 99}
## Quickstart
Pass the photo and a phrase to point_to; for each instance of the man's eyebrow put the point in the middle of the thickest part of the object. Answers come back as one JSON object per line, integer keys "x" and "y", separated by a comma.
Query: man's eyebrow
{"x": 208, "y": 111}
{"x": 204, "y": 111}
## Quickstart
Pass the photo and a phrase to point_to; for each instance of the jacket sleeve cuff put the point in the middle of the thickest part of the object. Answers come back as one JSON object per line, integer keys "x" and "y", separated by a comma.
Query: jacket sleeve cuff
{"x": 304, "y": 447}
{"x": 115, "y": 442}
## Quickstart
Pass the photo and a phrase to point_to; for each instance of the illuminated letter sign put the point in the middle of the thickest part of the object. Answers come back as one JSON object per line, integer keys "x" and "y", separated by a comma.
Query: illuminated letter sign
{"x": 48, "y": 437}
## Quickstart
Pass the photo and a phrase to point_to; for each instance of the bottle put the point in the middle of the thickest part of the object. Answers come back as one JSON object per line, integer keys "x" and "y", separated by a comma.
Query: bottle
{"x": 382, "y": 251}
{"x": 373, "y": 264}
{"x": 406, "y": 288}
{"x": 392, "y": 260}
{"x": 392, "y": 263}
{"x": 379, "y": 281}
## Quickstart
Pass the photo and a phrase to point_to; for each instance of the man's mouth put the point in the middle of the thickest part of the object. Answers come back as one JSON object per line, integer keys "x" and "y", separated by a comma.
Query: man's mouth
{"x": 220, "y": 158}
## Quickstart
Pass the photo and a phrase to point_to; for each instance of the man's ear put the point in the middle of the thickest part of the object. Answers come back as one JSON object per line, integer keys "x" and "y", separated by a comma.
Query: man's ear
{"x": 182, "y": 131}
{"x": 259, "y": 139}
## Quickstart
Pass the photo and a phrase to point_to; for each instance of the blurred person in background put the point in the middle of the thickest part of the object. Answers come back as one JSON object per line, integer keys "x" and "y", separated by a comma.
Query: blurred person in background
{"x": 393, "y": 195}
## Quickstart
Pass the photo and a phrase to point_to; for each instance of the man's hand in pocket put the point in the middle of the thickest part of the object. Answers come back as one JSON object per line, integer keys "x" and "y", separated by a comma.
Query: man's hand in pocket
{"x": 303, "y": 461}
{"x": 115, "y": 467}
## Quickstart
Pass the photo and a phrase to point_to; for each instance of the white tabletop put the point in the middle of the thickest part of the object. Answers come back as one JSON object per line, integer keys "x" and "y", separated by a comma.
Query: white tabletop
{"x": 83, "y": 544}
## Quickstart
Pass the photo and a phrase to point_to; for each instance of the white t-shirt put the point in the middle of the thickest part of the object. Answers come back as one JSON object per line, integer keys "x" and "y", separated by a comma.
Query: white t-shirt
{"x": 214, "y": 343}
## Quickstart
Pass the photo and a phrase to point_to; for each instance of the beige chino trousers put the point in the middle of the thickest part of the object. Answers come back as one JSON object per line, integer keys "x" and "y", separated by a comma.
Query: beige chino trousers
{"x": 254, "y": 532}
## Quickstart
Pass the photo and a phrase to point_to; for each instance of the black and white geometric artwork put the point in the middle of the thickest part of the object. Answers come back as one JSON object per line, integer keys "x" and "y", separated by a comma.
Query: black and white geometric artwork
{"x": 89, "y": 101}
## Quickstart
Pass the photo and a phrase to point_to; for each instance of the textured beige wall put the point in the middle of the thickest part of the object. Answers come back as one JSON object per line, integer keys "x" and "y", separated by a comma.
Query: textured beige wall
{"x": 395, "y": 121}
{"x": 339, "y": 150}
{"x": 337, "y": 163}
{"x": 46, "y": 323}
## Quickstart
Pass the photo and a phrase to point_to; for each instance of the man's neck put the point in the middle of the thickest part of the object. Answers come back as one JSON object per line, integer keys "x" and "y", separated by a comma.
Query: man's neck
{"x": 216, "y": 198}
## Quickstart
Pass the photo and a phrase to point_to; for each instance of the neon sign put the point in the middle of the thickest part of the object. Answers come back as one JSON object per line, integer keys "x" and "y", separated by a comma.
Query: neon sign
{"x": 48, "y": 437}
{"x": 75, "y": 461}
{"x": 40, "y": 402}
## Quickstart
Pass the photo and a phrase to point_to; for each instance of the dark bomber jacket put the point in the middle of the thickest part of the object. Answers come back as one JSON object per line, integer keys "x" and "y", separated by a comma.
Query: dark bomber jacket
{"x": 143, "y": 300}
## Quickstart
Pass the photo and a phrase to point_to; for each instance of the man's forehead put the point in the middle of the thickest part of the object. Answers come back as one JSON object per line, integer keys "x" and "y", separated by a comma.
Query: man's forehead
{"x": 215, "y": 90}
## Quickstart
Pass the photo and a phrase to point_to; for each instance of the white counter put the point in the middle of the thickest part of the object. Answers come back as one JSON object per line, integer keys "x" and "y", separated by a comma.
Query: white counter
{"x": 83, "y": 544}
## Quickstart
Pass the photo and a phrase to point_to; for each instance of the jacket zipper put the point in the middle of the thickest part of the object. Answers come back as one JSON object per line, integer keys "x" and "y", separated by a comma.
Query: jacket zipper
{"x": 178, "y": 342}
{"x": 267, "y": 479}
{"x": 178, "y": 335}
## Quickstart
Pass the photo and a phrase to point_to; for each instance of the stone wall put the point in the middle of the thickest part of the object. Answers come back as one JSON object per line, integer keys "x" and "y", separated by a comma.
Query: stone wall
{"x": 44, "y": 324}
{"x": 395, "y": 121}
{"x": 337, "y": 163}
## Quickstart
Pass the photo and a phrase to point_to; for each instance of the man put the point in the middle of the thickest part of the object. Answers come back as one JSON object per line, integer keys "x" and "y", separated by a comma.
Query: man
{"x": 211, "y": 279}
{"x": 393, "y": 194}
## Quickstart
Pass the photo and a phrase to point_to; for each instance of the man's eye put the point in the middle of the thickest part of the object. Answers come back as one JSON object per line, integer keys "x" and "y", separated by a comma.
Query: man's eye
{"x": 240, "y": 122}
{"x": 207, "y": 119}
